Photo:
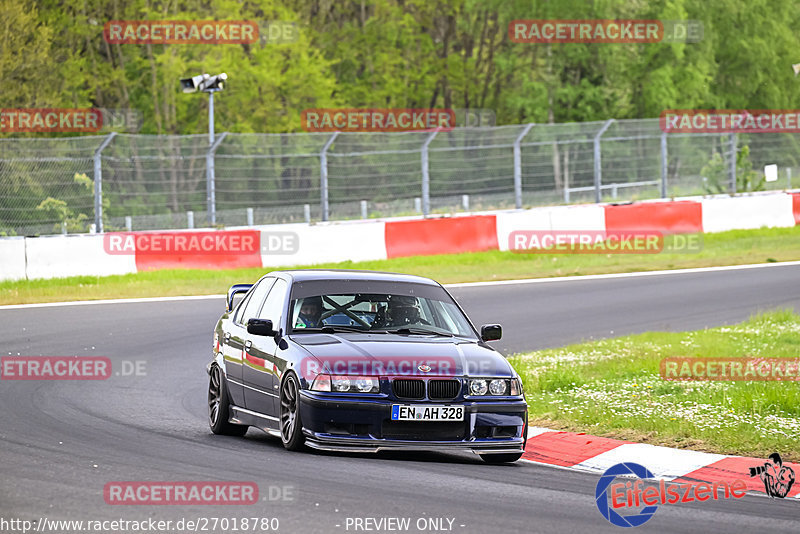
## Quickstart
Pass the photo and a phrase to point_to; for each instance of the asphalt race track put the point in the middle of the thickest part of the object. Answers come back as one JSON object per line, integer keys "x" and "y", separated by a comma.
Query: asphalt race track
{"x": 62, "y": 441}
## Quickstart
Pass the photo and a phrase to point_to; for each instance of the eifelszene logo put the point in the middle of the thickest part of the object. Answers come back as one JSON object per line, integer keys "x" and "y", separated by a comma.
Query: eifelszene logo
{"x": 613, "y": 497}
{"x": 778, "y": 478}
{"x": 601, "y": 495}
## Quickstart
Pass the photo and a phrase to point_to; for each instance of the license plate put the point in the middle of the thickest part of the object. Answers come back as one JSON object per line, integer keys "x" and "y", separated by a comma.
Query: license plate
{"x": 426, "y": 412}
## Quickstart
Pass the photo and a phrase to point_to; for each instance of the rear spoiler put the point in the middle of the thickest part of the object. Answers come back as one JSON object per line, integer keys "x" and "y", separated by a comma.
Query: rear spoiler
{"x": 233, "y": 291}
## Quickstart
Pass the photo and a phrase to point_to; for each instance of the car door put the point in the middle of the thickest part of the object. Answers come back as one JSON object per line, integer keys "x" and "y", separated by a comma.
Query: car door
{"x": 238, "y": 340}
{"x": 260, "y": 369}
{"x": 232, "y": 348}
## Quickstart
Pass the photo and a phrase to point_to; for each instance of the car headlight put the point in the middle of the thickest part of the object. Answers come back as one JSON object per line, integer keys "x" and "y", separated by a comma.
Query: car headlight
{"x": 366, "y": 384}
{"x": 341, "y": 383}
{"x": 346, "y": 384}
{"x": 478, "y": 387}
{"x": 497, "y": 387}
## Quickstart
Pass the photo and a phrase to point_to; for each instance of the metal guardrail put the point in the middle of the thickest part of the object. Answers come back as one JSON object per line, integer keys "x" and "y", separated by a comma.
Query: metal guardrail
{"x": 613, "y": 187}
{"x": 123, "y": 181}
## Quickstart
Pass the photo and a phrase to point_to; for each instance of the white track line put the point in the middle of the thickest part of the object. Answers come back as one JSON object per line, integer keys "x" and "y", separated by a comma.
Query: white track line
{"x": 110, "y": 301}
{"x": 627, "y": 275}
{"x": 465, "y": 284}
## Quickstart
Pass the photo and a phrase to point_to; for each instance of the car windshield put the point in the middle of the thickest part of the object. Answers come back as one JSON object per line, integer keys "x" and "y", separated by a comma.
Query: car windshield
{"x": 398, "y": 312}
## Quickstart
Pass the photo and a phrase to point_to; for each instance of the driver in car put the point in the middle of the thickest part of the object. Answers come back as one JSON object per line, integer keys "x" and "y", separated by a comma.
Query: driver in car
{"x": 402, "y": 310}
{"x": 310, "y": 313}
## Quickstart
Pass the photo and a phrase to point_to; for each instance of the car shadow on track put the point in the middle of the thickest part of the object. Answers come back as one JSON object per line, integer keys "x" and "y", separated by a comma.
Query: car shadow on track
{"x": 261, "y": 438}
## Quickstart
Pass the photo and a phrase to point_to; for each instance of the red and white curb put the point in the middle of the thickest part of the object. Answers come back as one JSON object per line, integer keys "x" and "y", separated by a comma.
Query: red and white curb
{"x": 378, "y": 239}
{"x": 593, "y": 454}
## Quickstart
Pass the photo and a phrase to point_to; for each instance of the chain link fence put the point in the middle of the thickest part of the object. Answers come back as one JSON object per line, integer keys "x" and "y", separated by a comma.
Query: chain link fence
{"x": 145, "y": 182}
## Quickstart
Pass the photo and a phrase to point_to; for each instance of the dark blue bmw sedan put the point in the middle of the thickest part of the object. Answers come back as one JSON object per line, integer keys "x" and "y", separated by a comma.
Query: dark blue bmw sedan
{"x": 362, "y": 361}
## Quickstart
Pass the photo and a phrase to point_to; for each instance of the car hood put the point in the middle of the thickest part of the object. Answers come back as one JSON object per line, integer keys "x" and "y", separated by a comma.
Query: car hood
{"x": 394, "y": 355}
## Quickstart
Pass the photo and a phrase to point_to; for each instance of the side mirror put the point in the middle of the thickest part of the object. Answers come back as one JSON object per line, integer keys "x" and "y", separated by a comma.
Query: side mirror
{"x": 260, "y": 327}
{"x": 236, "y": 289}
{"x": 491, "y": 332}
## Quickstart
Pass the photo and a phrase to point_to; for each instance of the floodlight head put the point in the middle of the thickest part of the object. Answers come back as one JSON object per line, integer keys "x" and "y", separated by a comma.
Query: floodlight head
{"x": 204, "y": 83}
{"x": 214, "y": 83}
{"x": 193, "y": 84}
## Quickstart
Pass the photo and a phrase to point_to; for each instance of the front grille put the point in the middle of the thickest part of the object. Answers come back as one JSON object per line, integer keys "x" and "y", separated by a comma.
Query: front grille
{"x": 405, "y": 388}
{"x": 424, "y": 431}
{"x": 443, "y": 389}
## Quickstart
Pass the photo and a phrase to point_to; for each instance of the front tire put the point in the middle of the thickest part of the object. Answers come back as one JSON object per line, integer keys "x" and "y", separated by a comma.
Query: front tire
{"x": 219, "y": 406}
{"x": 505, "y": 458}
{"x": 291, "y": 425}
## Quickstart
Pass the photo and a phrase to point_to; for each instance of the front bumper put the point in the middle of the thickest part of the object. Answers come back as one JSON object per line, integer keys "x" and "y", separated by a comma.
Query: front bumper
{"x": 362, "y": 424}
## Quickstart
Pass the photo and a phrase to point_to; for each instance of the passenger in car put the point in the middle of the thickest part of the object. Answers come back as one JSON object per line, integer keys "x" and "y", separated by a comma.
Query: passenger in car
{"x": 310, "y": 313}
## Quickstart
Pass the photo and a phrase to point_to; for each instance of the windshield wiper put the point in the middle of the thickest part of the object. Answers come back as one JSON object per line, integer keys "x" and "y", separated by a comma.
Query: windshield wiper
{"x": 331, "y": 329}
{"x": 421, "y": 331}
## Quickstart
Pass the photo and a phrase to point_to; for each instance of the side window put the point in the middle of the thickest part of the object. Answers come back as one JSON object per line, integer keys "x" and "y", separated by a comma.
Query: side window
{"x": 255, "y": 300}
{"x": 240, "y": 308}
{"x": 273, "y": 306}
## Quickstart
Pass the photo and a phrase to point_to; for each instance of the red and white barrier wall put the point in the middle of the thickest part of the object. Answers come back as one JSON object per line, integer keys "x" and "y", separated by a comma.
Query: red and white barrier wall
{"x": 749, "y": 212}
{"x": 12, "y": 258}
{"x": 61, "y": 256}
{"x": 304, "y": 244}
{"x": 690, "y": 215}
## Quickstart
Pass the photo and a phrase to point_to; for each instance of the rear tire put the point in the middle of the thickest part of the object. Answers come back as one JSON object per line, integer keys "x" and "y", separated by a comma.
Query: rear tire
{"x": 219, "y": 406}
{"x": 291, "y": 425}
{"x": 505, "y": 458}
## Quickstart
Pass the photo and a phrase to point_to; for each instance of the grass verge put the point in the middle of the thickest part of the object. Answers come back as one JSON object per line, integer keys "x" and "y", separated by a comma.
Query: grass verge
{"x": 613, "y": 388}
{"x": 735, "y": 247}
